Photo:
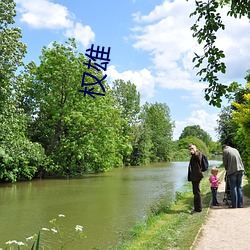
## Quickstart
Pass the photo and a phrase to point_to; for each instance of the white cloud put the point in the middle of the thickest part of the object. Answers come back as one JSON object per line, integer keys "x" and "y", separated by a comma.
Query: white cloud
{"x": 234, "y": 41}
{"x": 83, "y": 34}
{"x": 208, "y": 122}
{"x": 44, "y": 14}
{"x": 160, "y": 11}
{"x": 165, "y": 33}
{"x": 143, "y": 80}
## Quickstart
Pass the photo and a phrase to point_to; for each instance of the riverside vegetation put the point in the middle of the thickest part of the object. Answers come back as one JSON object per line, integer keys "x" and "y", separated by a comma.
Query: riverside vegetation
{"x": 171, "y": 226}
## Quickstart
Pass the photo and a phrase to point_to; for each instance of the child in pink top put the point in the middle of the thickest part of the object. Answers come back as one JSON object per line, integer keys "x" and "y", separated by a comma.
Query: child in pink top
{"x": 214, "y": 186}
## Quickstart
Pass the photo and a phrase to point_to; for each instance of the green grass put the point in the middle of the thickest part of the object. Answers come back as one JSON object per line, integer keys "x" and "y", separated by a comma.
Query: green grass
{"x": 170, "y": 226}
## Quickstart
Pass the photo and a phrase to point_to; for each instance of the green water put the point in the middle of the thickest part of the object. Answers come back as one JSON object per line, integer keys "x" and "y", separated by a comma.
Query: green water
{"x": 104, "y": 204}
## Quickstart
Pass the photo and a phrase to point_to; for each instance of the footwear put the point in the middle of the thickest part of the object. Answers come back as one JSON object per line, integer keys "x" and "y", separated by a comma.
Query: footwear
{"x": 217, "y": 204}
{"x": 231, "y": 207}
{"x": 194, "y": 212}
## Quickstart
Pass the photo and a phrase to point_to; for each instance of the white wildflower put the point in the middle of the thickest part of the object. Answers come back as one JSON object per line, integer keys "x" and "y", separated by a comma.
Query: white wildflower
{"x": 20, "y": 243}
{"x": 54, "y": 230}
{"x": 10, "y": 242}
{"x": 61, "y": 215}
{"x": 45, "y": 229}
{"x": 78, "y": 228}
{"x": 29, "y": 238}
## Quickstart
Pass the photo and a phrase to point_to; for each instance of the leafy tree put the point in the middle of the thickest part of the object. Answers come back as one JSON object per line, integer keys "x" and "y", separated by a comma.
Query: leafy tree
{"x": 183, "y": 144}
{"x": 12, "y": 50}
{"x": 19, "y": 157}
{"x": 215, "y": 147}
{"x": 157, "y": 122}
{"x": 241, "y": 116}
{"x": 196, "y": 131}
{"x": 128, "y": 100}
{"x": 227, "y": 127}
{"x": 142, "y": 145}
{"x": 208, "y": 23}
{"x": 79, "y": 133}
{"x": 179, "y": 154}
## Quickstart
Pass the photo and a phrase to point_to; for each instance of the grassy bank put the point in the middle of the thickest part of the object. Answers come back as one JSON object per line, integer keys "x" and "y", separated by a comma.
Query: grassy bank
{"x": 170, "y": 227}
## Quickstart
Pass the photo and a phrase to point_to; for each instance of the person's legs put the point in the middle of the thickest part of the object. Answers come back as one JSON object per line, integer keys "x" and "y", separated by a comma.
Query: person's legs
{"x": 214, "y": 196}
{"x": 233, "y": 188}
{"x": 197, "y": 196}
{"x": 239, "y": 188}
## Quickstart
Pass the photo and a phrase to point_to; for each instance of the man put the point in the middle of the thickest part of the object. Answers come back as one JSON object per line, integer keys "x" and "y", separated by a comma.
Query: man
{"x": 195, "y": 175}
{"x": 235, "y": 170}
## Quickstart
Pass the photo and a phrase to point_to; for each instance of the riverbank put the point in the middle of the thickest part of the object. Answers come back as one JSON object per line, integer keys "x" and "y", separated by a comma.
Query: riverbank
{"x": 173, "y": 227}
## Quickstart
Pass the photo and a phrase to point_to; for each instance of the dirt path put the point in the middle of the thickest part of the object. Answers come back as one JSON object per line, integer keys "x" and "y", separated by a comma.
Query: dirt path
{"x": 225, "y": 228}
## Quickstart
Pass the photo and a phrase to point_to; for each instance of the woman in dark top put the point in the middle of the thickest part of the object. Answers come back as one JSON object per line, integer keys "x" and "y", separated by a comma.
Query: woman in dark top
{"x": 195, "y": 175}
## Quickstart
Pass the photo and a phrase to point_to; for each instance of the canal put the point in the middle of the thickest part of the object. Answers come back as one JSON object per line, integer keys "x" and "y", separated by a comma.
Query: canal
{"x": 105, "y": 204}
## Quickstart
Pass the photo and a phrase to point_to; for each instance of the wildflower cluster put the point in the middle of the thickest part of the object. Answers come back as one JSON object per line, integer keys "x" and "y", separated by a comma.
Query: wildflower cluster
{"x": 40, "y": 239}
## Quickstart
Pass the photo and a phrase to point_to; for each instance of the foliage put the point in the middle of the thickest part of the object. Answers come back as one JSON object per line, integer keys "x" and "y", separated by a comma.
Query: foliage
{"x": 215, "y": 148}
{"x": 21, "y": 158}
{"x": 241, "y": 115}
{"x": 196, "y": 131}
{"x": 12, "y": 50}
{"x": 181, "y": 154}
{"x": 127, "y": 98}
{"x": 232, "y": 124}
{"x": 156, "y": 121}
{"x": 205, "y": 28}
{"x": 227, "y": 127}
{"x": 170, "y": 226}
{"x": 78, "y": 133}
{"x": 201, "y": 146}
{"x": 142, "y": 145}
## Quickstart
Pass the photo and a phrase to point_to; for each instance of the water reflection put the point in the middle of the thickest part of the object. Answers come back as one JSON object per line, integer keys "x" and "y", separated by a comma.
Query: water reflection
{"x": 105, "y": 204}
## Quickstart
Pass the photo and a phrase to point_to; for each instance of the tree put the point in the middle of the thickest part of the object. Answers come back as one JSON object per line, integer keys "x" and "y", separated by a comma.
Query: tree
{"x": 242, "y": 117}
{"x": 128, "y": 100}
{"x": 142, "y": 145}
{"x": 20, "y": 158}
{"x": 12, "y": 50}
{"x": 208, "y": 23}
{"x": 157, "y": 122}
{"x": 184, "y": 142}
{"x": 227, "y": 127}
{"x": 196, "y": 131}
{"x": 78, "y": 133}
{"x": 229, "y": 130}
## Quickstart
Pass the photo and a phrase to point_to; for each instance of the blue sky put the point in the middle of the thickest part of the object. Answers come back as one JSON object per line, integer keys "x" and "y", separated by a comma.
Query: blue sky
{"x": 151, "y": 45}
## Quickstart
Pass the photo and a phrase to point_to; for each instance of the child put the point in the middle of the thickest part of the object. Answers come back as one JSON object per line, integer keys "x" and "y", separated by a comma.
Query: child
{"x": 214, "y": 185}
